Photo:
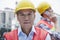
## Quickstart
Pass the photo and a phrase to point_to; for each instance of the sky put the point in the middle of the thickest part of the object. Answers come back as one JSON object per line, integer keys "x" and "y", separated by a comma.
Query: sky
{"x": 12, "y": 4}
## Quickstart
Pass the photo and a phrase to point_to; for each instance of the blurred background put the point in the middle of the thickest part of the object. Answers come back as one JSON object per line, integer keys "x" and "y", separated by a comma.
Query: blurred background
{"x": 8, "y": 19}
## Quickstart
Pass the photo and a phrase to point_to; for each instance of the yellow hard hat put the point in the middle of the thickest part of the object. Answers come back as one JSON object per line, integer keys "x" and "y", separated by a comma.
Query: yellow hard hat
{"x": 42, "y": 7}
{"x": 24, "y": 5}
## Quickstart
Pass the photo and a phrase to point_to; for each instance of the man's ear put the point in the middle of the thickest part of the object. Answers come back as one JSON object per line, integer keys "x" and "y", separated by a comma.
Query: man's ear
{"x": 34, "y": 16}
{"x": 17, "y": 17}
{"x": 44, "y": 15}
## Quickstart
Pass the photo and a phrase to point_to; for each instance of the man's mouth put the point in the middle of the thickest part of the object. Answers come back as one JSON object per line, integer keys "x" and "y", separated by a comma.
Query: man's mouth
{"x": 26, "y": 22}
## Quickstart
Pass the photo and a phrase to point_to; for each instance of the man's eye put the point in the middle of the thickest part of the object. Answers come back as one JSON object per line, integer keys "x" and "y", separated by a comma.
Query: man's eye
{"x": 21, "y": 14}
{"x": 29, "y": 14}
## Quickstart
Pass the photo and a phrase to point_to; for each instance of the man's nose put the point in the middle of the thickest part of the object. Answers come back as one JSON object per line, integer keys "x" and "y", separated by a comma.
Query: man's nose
{"x": 26, "y": 17}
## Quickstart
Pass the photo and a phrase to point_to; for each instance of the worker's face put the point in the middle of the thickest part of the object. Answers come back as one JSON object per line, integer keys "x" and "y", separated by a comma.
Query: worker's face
{"x": 26, "y": 17}
{"x": 48, "y": 13}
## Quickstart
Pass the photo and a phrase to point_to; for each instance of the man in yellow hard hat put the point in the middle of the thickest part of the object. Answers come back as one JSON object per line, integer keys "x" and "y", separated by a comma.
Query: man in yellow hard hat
{"x": 25, "y": 12}
{"x": 46, "y": 12}
{"x": 48, "y": 19}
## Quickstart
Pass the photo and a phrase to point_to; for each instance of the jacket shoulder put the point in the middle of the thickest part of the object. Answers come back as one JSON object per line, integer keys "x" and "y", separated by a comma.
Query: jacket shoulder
{"x": 41, "y": 33}
{"x": 40, "y": 30}
{"x": 10, "y": 35}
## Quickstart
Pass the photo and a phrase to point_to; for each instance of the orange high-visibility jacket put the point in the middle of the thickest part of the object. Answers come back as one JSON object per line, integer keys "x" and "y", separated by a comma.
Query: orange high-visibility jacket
{"x": 46, "y": 23}
{"x": 39, "y": 35}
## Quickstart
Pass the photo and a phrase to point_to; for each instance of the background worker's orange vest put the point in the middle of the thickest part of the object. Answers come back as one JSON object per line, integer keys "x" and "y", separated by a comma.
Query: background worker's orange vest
{"x": 45, "y": 23}
{"x": 39, "y": 35}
